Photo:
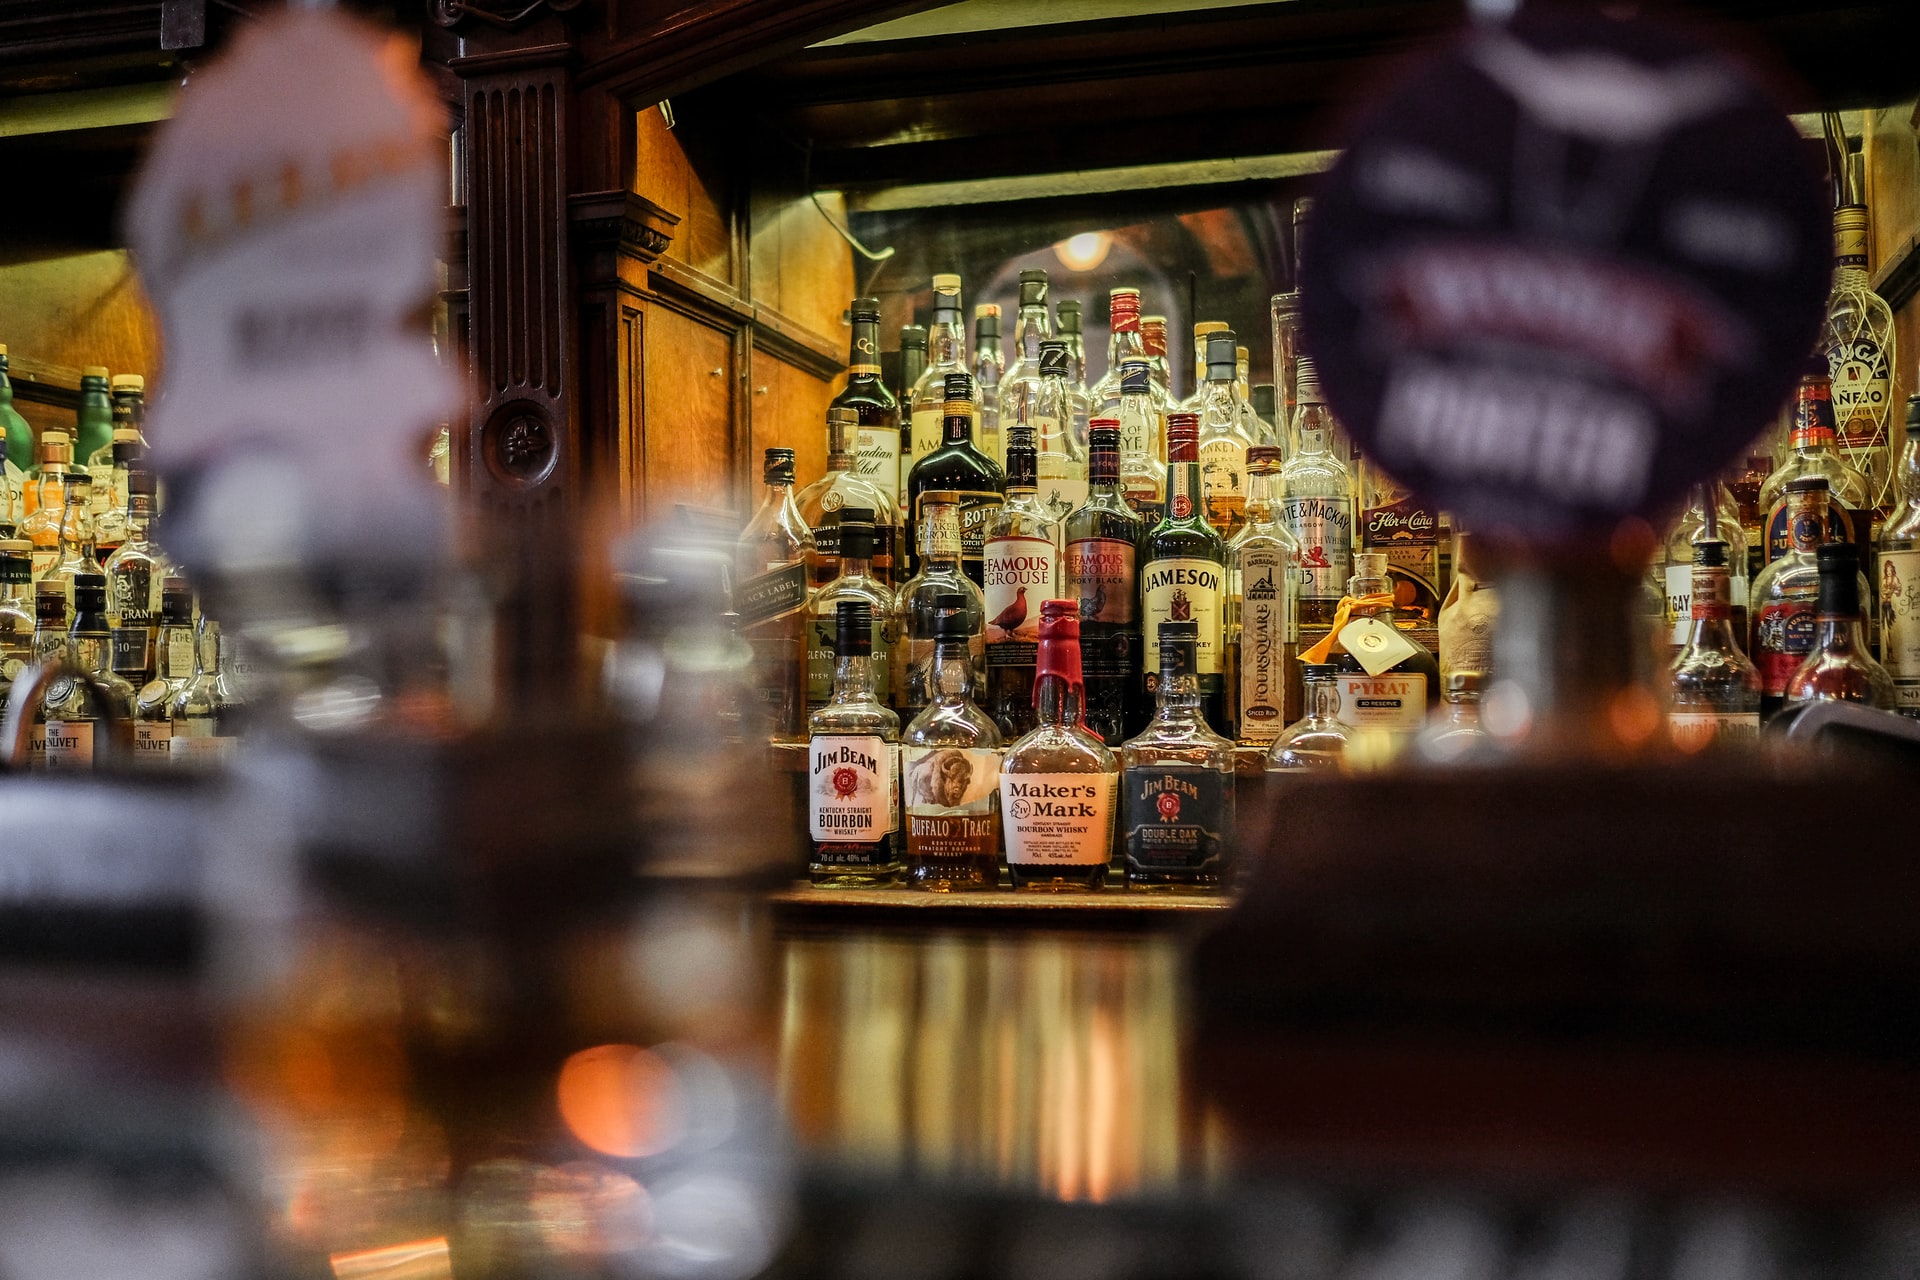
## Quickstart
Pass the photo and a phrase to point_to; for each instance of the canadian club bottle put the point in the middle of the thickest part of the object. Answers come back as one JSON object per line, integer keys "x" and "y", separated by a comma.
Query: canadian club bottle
{"x": 1178, "y": 782}
{"x": 1183, "y": 573}
{"x": 958, "y": 468}
{"x": 1022, "y": 569}
{"x": 876, "y": 454}
{"x": 853, "y": 768}
{"x": 1102, "y": 538}
{"x": 1060, "y": 783}
{"x": 1714, "y": 691}
{"x": 771, "y": 565}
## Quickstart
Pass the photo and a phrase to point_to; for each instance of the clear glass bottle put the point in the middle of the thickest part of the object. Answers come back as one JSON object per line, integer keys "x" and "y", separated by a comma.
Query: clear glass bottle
{"x": 1177, "y": 782}
{"x": 772, "y": 563}
{"x": 128, "y": 394}
{"x": 843, "y": 487}
{"x": 946, "y": 355}
{"x": 876, "y": 449}
{"x": 853, "y": 769}
{"x": 1898, "y": 570}
{"x": 1389, "y": 681}
{"x": 49, "y": 642}
{"x": 1812, "y": 453}
{"x": 1050, "y": 412}
{"x": 1318, "y": 503}
{"x": 1153, "y": 341}
{"x": 200, "y": 715}
{"x": 940, "y": 574}
{"x": 1713, "y": 689}
{"x": 1453, "y": 734}
{"x": 950, "y": 769}
{"x": 1782, "y": 607}
{"x": 1059, "y": 785}
{"x": 1143, "y": 452}
{"x": 1858, "y": 343}
{"x": 1262, "y": 602}
{"x": 855, "y": 581}
{"x": 1068, "y": 324}
{"x": 1839, "y": 667}
{"x": 1022, "y": 569}
{"x": 1124, "y": 343}
{"x": 1317, "y": 742}
{"x": 1258, "y": 429}
{"x": 16, "y": 612}
{"x": 1196, "y": 402}
{"x": 1223, "y": 439}
{"x": 989, "y": 365}
{"x": 1688, "y": 532}
{"x": 1032, "y": 325}
{"x": 81, "y": 708}
{"x": 110, "y": 496}
{"x": 74, "y": 555}
{"x": 1099, "y": 570}
{"x": 913, "y": 363}
{"x": 136, "y": 574}
{"x": 176, "y": 662}
{"x": 46, "y": 500}
{"x": 958, "y": 468}
{"x": 1183, "y": 572}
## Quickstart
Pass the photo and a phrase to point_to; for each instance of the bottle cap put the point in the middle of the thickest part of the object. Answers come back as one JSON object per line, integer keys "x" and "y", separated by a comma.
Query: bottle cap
{"x": 3, "y": 350}
{"x": 79, "y": 477}
{"x": 1205, "y": 327}
{"x": 1465, "y": 686}
{"x": 127, "y": 382}
{"x": 1807, "y": 484}
{"x": 946, "y": 282}
{"x": 853, "y": 629}
{"x": 1183, "y": 426}
{"x": 1103, "y": 435}
{"x": 777, "y": 468}
{"x": 864, "y": 309}
{"x": 1839, "y": 591}
{"x": 1179, "y": 648}
{"x": 1710, "y": 554}
{"x": 1838, "y": 556}
{"x": 913, "y": 337}
{"x": 843, "y": 416}
{"x": 49, "y": 602}
{"x": 986, "y": 320}
{"x": 94, "y": 371}
{"x": 959, "y": 387}
{"x": 140, "y": 481}
{"x": 1136, "y": 377}
{"x": 1059, "y": 654}
{"x": 1033, "y": 288}
{"x": 1318, "y": 672}
{"x": 1265, "y": 455}
{"x": 1306, "y": 379}
{"x": 1221, "y": 345}
{"x": 15, "y": 547}
{"x": 1123, "y": 310}
{"x": 89, "y": 593}
{"x": 1068, "y": 314}
{"x": 951, "y": 620}
{"x": 1240, "y": 354}
{"x": 124, "y": 435}
{"x": 1053, "y": 358}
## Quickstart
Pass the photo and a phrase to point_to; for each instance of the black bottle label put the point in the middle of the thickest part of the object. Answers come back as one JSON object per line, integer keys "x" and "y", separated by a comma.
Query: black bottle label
{"x": 1178, "y": 819}
{"x": 773, "y": 594}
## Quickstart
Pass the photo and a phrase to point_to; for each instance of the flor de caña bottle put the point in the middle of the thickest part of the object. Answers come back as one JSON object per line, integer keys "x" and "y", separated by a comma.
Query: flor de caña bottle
{"x": 853, "y": 768}
{"x": 1183, "y": 572}
{"x": 1060, "y": 783}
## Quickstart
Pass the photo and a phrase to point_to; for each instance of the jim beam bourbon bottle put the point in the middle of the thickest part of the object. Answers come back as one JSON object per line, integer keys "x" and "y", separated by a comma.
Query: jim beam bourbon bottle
{"x": 950, "y": 769}
{"x": 1060, "y": 784}
{"x": 853, "y": 768}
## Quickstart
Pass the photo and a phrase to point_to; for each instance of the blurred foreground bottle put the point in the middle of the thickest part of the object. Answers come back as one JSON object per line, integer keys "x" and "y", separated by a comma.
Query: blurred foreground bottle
{"x": 1059, "y": 786}
{"x": 771, "y": 567}
{"x": 1839, "y": 668}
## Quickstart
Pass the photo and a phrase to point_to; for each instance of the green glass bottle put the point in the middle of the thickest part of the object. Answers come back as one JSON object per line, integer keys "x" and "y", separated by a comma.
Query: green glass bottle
{"x": 95, "y": 431}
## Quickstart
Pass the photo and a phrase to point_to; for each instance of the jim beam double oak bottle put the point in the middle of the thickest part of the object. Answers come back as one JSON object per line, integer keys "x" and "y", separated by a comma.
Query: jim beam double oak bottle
{"x": 1177, "y": 814}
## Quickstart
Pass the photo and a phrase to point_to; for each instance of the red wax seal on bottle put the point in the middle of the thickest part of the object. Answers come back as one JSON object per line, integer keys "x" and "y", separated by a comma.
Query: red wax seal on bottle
{"x": 1059, "y": 646}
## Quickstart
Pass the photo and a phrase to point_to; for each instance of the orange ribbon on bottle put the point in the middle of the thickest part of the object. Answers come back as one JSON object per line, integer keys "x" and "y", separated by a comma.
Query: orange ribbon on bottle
{"x": 1378, "y": 600}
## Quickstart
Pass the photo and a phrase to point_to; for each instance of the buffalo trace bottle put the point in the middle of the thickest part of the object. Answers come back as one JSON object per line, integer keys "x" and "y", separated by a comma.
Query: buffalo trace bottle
{"x": 1101, "y": 540}
{"x": 939, "y": 575}
{"x": 958, "y": 468}
{"x": 1143, "y": 464}
{"x": 876, "y": 454}
{"x": 950, "y": 770}
{"x": 1260, "y": 632}
{"x": 1022, "y": 569}
{"x": 1183, "y": 572}
{"x": 1714, "y": 691}
{"x": 1059, "y": 784}
{"x": 854, "y": 531}
{"x": 1838, "y": 668}
{"x": 1319, "y": 503}
{"x": 1177, "y": 779}
{"x": 1899, "y": 573}
{"x": 1784, "y": 593}
{"x": 770, "y": 594}
{"x": 853, "y": 809}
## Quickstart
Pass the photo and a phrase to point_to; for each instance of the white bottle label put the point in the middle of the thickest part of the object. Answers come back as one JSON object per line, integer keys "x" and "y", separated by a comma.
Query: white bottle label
{"x": 1697, "y": 730}
{"x": 69, "y": 744}
{"x": 1223, "y": 481}
{"x": 1900, "y": 622}
{"x": 1021, "y": 571}
{"x": 198, "y": 750}
{"x": 1181, "y": 590}
{"x": 1059, "y": 819}
{"x": 952, "y": 797}
{"x": 1324, "y": 529}
{"x": 1061, "y": 490}
{"x": 1264, "y": 622}
{"x": 929, "y": 431}
{"x": 1139, "y": 434}
{"x": 876, "y": 458}
{"x": 850, "y": 788}
{"x": 151, "y": 740}
{"x": 1680, "y": 602}
{"x": 1396, "y": 703}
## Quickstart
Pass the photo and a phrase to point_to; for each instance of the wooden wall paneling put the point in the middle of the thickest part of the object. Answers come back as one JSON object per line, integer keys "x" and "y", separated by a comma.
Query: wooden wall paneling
{"x": 688, "y": 406}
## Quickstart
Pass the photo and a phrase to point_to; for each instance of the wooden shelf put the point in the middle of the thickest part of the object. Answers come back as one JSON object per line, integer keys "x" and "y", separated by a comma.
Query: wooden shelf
{"x": 1111, "y": 908}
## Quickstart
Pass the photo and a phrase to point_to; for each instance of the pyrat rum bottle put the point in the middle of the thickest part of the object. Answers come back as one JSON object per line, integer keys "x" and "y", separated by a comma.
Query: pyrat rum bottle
{"x": 853, "y": 803}
{"x": 1101, "y": 540}
{"x": 1022, "y": 569}
{"x": 950, "y": 770}
{"x": 1714, "y": 691}
{"x": 1059, "y": 784}
{"x": 1177, "y": 777}
{"x": 1388, "y": 680}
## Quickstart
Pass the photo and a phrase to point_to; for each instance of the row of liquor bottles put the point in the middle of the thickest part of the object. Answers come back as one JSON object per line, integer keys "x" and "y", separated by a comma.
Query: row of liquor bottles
{"x": 109, "y": 407}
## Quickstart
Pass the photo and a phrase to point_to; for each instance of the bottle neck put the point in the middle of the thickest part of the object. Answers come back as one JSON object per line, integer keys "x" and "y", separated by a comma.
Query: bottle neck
{"x": 1712, "y": 616}
{"x": 1103, "y": 471}
{"x": 1838, "y": 634}
{"x": 1183, "y": 485}
{"x": 1058, "y": 701}
{"x": 1031, "y": 326}
{"x": 944, "y": 339}
{"x": 957, "y": 428}
{"x": 853, "y": 678}
{"x": 1124, "y": 343}
{"x": 940, "y": 536}
{"x": 863, "y": 352}
{"x": 1367, "y": 593}
{"x": 1264, "y": 496}
{"x": 860, "y": 566}
{"x": 1310, "y": 428}
{"x": 1323, "y": 700}
{"x": 1179, "y": 697}
{"x": 952, "y": 669}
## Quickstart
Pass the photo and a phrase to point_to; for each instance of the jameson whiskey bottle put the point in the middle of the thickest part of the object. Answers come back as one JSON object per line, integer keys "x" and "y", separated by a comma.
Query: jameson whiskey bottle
{"x": 1022, "y": 569}
{"x": 876, "y": 452}
{"x": 1178, "y": 782}
{"x": 771, "y": 563}
{"x": 1183, "y": 572}
{"x": 1060, "y": 783}
{"x": 1714, "y": 691}
{"x": 976, "y": 481}
{"x": 1102, "y": 536}
{"x": 950, "y": 769}
{"x": 1858, "y": 342}
{"x": 853, "y": 768}
{"x": 1899, "y": 576}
